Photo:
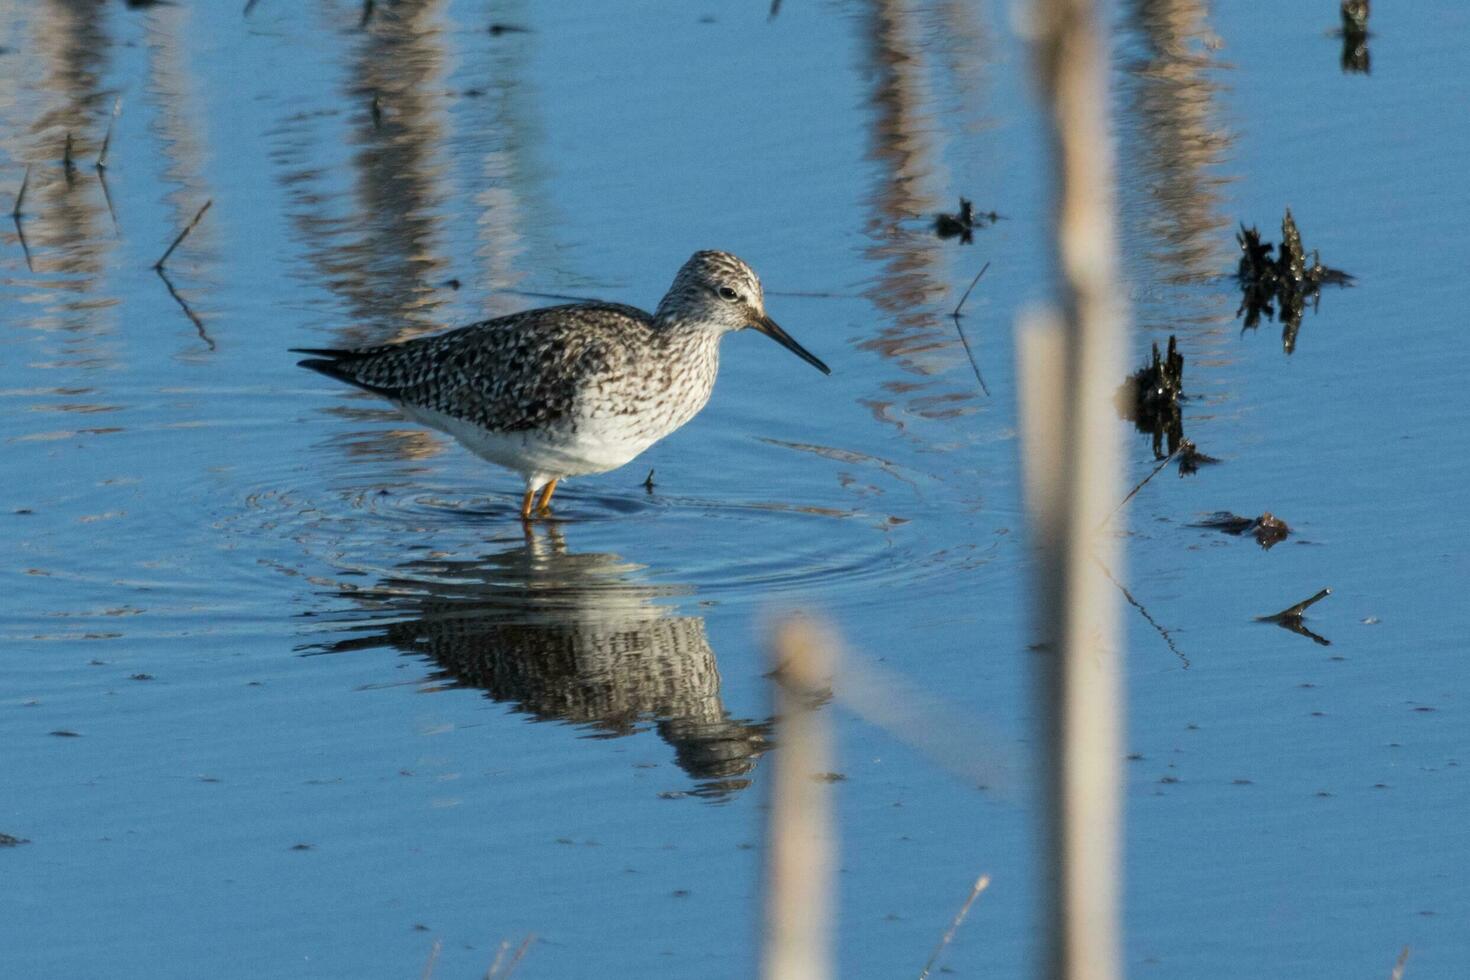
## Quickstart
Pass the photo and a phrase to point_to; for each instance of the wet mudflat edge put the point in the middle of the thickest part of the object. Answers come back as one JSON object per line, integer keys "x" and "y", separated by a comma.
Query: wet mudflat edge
{"x": 357, "y": 671}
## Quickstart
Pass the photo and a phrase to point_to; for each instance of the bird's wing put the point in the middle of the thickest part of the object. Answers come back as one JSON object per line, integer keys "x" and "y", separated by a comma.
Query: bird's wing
{"x": 517, "y": 372}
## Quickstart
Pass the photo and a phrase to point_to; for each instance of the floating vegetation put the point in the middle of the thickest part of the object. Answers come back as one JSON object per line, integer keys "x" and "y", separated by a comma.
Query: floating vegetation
{"x": 1191, "y": 459}
{"x": 963, "y": 222}
{"x": 1268, "y": 529}
{"x": 1355, "y": 57}
{"x": 1151, "y": 397}
{"x": 1285, "y": 283}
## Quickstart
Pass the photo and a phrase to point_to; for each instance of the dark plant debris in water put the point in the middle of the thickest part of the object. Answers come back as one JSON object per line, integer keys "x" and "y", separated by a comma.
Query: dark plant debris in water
{"x": 1151, "y": 399}
{"x": 1268, "y": 529}
{"x": 1285, "y": 283}
{"x": 1191, "y": 459}
{"x": 10, "y": 840}
{"x": 963, "y": 222}
{"x": 1355, "y": 57}
{"x": 1290, "y": 618}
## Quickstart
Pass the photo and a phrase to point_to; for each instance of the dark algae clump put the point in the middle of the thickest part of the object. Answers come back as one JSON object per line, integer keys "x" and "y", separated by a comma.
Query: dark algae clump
{"x": 1355, "y": 57}
{"x": 1268, "y": 529}
{"x": 963, "y": 222}
{"x": 1280, "y": 287}
{"x": 1151, "y": 397}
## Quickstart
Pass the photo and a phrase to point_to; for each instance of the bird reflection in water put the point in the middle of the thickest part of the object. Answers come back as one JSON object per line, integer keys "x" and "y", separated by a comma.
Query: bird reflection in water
{"x": 570, "y": 637}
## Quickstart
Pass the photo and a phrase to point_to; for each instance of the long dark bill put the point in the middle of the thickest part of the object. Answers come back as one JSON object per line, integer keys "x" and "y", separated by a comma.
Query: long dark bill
{"x": 773, "y": 330}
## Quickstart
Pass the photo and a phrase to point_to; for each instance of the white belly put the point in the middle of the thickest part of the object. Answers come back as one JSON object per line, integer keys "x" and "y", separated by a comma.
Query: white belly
{"x": 595, "y": 447}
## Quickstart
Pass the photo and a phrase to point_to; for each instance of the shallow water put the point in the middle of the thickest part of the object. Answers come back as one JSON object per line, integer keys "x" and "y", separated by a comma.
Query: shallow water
{"x": 330, "y": 702}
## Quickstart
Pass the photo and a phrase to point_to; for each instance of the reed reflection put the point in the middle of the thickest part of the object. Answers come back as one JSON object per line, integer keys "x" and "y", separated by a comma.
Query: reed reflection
{"x": 377, "y": 242}
{"x": 1179, "y": 141}
{"x": 912, "y": 280}
{"x": 572, "y": 637}
{"x": 53, "y": 111}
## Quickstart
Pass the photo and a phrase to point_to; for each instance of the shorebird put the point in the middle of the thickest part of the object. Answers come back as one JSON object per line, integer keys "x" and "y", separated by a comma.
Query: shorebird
{"x": 565, "y": 391}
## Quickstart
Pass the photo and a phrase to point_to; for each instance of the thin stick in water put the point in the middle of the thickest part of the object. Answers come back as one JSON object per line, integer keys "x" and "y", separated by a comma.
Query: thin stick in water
{"x": 981, "y": 883}
{"x": 249, "y": 6}
{"x": 1143, "y": 611}
{"x": 182, "y": 235}
{"x": 1156, "y": 470}
{"x": 193, "y": 317}
{"x": 367, "y": 13}
{"x": 20, "y": 197}
{"x": 107, "y": 196}
{"x": 101, "y": 163}
{"x": 970, "y": 289}
{"x": 20, "y": 233}
{"x": 969, "y": 351}
{"x": 1295, "y": 612}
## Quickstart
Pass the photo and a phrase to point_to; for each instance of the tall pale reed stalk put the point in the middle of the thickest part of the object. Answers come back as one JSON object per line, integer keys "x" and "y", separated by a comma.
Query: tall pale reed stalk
{"x": 1070, "y": 360}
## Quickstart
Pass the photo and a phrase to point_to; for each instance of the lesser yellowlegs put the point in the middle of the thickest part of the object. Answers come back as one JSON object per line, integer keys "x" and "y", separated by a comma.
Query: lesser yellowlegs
{"x": 569, "y": 390}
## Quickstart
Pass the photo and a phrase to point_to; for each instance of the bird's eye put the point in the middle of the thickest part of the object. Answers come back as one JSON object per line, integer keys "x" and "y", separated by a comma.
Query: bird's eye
{"x": 727, "y": 293}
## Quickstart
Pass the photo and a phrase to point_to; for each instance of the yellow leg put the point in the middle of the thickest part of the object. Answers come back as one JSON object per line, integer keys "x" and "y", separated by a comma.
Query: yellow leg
{"x": 526, "y": 505}
{"x": 543, "y": 505}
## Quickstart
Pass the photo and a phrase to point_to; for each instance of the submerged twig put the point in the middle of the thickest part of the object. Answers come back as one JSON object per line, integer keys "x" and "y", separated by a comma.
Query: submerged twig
{"x": 367, "y": 13}
{"x": 20, "y": 233}
{"x": 107, "y": 196}
{"x": 101, "y": 163}
{"x": 969, "y": 351}
{"x": 1139, "y": 486}
{"x": 182, "y": 235}
{"x": 249, "y": 6}
{"x": 20, "y": 196}
{"x": 188, "y": 312}
{"x": 68, "y": 166}
{"x": 648, "y": 483}
{"x": 1158, "y": 627}
{"x": 16, "y": 214}
{"x": 981, "y": 883}
{"x": 970, "y": 289}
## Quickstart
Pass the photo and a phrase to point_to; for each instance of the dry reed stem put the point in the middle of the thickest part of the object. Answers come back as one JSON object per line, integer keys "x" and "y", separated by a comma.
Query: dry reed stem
{"x": 1072, "y": 444}
{"x": 981, "y": 883}
{"x": 799, "y": 844}
{"x": 494, "y": 972}
{"x": 433, "y": 958}
{"x": 1398, "y": 966}
{"x": 953, "y": 739}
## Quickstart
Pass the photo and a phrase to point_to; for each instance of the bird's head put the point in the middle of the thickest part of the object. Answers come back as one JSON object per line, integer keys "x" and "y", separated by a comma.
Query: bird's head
{"x": 718, "y": 290}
